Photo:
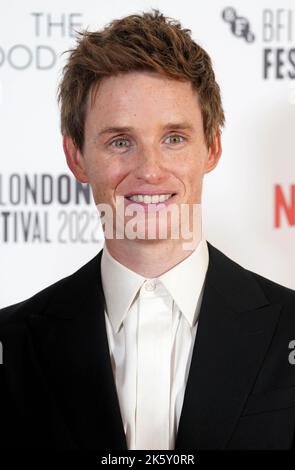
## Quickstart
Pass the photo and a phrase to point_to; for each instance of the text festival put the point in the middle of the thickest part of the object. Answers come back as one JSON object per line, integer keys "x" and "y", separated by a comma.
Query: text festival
{"x": 33, "y": 206}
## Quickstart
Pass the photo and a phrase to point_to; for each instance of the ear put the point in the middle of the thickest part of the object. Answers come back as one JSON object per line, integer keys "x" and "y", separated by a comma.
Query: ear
{"x": 214, "y": 153}
{"x": 75, "y": 159}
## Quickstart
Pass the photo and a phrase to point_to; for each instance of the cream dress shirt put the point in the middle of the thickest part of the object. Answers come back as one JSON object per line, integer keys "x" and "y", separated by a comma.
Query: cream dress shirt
{"x": 151, "y": 361}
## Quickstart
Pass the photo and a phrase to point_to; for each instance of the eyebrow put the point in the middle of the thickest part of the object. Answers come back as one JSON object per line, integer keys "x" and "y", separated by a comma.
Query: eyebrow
{"x": 123, "y": 129}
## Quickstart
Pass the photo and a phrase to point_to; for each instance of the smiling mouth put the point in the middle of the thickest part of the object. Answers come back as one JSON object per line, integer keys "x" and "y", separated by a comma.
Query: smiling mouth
{"x": 150, "y": 198}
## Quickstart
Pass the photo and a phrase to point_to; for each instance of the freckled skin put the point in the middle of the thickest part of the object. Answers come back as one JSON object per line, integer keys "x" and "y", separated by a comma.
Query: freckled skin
{"x": 148, "y": 156}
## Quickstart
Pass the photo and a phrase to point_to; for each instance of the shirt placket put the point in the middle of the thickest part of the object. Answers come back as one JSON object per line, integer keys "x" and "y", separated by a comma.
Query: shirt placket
{"x": 153, "y": 369}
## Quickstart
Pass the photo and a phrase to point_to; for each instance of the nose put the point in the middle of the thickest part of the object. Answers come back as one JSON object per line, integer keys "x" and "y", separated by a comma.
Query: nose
{"x": 149, "y": 166}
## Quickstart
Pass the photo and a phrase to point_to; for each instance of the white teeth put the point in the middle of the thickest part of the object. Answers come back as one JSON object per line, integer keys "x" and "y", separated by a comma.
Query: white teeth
{"x": 156, "y": 198}
{"x": 163, "y": 197}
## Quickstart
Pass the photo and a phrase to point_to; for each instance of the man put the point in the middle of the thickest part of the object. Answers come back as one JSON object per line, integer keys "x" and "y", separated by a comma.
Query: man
{"x": 159, "y": 342}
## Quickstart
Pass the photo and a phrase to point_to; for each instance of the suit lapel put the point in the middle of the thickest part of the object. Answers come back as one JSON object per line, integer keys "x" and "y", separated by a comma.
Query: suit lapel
{"x": 75, "y": 357}
{"x": 236, "y": 325}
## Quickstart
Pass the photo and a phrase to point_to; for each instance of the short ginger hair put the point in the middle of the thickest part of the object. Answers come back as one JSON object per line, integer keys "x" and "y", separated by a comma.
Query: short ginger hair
{"x": 146, "y": 42}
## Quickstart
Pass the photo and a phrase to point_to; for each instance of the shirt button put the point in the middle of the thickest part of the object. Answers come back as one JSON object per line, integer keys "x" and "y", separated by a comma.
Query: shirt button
{"x": 150, "y": 285}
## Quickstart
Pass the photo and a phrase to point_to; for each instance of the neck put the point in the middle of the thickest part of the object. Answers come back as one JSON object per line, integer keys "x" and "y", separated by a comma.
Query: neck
{"x": 150, "y": 259}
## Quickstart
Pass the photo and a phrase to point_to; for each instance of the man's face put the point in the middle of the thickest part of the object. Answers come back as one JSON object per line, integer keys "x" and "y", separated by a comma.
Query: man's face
{"x": 144, "y": 136}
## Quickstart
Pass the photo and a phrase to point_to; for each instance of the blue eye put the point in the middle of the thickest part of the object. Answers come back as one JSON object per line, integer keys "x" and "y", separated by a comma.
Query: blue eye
{"x": 120, "y": 143}
{"x": 175, "y": 139}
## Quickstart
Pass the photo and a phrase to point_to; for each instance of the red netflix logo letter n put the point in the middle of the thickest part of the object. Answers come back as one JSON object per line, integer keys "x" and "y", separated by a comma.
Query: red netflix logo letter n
{"x": 282, "y": 206}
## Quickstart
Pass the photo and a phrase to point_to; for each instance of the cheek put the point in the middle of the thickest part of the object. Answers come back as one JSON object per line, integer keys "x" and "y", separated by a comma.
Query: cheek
{"x": 190, "y": 173}
{"x": 190, "y": 170}
{"x": 105, "y": 178}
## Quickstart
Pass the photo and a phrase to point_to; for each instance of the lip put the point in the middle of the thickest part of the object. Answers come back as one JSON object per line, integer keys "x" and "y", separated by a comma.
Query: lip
{"x": 149, "y": 193}
{"x": 148, "y": 206}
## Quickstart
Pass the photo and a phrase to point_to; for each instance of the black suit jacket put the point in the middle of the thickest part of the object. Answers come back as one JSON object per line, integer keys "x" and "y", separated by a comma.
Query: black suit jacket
{"x": 57, "y": 387}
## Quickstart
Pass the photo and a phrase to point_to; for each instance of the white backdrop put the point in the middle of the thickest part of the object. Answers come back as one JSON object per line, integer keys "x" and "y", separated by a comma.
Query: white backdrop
{"x": 53, "y": 231}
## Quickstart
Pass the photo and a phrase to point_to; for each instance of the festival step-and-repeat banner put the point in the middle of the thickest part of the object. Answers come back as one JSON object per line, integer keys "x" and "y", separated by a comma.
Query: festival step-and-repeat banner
{"x": 49, "y": 225}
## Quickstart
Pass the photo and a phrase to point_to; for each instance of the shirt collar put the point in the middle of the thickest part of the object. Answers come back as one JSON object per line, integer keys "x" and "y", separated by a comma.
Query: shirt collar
{"x": 184, "y": 282}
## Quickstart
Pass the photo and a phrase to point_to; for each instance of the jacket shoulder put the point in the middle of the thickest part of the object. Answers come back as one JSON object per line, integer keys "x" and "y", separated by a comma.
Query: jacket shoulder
{"x": 39, "y": 302}
{"x": 276, "y": 293}
{"x": 243, "y": 288}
